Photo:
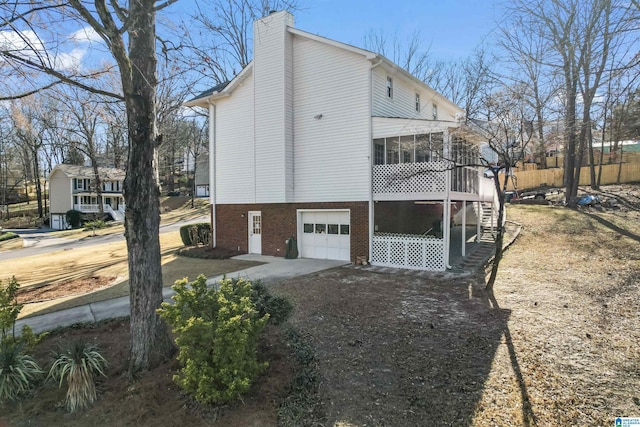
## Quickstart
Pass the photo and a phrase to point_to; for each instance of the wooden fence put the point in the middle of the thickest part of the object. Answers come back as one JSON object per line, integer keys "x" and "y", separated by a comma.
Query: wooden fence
{"x": 628, "y": 172}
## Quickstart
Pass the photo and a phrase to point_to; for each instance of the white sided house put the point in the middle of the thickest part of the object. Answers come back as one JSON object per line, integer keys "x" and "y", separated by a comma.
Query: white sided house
{"x": 342, "y": 150}
{"x": 74, "y": 187}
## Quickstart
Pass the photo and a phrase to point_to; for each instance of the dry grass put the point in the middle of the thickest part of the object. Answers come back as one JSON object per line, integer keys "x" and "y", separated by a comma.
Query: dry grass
{"x": 104, "y": 260}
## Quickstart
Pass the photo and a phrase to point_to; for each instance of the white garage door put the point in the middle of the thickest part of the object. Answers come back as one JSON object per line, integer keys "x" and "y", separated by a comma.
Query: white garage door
{"x": 325, "y": 235}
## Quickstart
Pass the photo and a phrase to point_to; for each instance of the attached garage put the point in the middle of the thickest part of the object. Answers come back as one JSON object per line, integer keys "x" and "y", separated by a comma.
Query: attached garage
{"x": 324, "y": 234}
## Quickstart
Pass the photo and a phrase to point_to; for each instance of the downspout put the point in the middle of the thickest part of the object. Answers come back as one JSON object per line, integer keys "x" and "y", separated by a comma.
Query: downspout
{"x": 371, "y": 202}
{"x": 212, "y": 173}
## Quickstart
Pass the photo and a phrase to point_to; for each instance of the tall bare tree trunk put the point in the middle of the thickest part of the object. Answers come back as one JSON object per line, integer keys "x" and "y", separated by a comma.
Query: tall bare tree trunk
{"x": 150, "y": 342}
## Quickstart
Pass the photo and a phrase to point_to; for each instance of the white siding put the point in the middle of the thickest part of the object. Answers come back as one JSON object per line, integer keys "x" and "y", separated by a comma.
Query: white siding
{"x": 272, "y": 120}
{"x": 331, "y": 153}
{"x": 234, "y": 170}
{"x": 403, "y": 103}
{"x": 386, "y": 127}
{"x": 60, "y": 200}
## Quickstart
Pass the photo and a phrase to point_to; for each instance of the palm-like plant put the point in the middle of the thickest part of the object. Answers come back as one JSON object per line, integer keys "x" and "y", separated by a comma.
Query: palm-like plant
{"x": 17, "y": 371}
{"x": 78, "y": 365}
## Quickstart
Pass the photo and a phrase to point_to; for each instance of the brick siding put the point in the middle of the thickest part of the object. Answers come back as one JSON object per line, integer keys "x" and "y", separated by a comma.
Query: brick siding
{"x": 279, "y": 222}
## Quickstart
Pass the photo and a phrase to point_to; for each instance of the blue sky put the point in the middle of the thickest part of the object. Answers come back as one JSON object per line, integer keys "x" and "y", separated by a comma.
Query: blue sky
{"x": 452, "y": 28}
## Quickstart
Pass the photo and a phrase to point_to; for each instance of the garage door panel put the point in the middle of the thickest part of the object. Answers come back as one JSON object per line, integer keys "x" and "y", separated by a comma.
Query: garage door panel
{"x": 325, "y": 235}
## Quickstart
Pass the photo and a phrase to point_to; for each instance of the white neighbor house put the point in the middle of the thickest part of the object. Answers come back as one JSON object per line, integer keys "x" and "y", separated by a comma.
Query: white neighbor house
{"x": 339, "y": 148}
{"x": 73, "y": 187}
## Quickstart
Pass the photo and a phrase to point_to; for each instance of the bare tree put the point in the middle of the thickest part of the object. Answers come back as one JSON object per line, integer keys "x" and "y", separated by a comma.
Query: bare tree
{"x": 507, "y": 127}
{"x": 84, "y": 112}
{"x": 412, "y": 55}
{"x": 465, "y": 81}
{"x": 227, "y": 49}
{"x": 578, "y": 36}
{"x": 128, "y": 31}
{"x": 526, "y": 52}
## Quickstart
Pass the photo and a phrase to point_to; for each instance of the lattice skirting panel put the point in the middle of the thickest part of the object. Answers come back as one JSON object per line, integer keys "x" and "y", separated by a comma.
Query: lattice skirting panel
{"x": 408, "y": 251}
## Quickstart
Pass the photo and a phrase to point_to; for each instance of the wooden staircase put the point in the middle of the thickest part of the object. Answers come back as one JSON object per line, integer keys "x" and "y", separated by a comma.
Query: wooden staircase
{"x": 489, "y": 222}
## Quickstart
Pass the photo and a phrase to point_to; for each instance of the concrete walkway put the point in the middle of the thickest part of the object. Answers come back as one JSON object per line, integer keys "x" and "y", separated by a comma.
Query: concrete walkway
{"x": 273, "y": 269}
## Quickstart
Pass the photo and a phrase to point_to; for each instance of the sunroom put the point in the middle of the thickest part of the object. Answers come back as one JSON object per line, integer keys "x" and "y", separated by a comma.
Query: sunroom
{"x": 431, "y": 202}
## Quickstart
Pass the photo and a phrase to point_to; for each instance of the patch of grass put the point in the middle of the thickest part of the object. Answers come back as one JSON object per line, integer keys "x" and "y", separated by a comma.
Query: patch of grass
{"x": 8, "y": 236}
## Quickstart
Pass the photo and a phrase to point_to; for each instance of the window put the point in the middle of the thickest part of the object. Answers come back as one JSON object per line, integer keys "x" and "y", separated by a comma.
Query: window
{"x": 378, "y": 151}
{"x": 321, "y": 228}
{"x": 417, "y": 102}
{"x": 308, "y": 228}
{"x": 344, "y": 229}
{"x": 435, "y": 112}
{"x": 393, "y": 150}
{"x": 389, "y": 87}
{"x": 332, "y": 228}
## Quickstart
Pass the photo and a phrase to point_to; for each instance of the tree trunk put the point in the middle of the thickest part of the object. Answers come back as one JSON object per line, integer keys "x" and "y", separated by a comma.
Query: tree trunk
{"x": 36, "y": 180}
{"x": 98, "y": 184}
{"x": 499, "y": 229}
{"x": 150, "y": 342}
{"x": 570, "y": 149}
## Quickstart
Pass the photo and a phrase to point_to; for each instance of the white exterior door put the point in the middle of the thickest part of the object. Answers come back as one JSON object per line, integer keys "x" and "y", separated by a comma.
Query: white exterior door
{"x": 255, "y": 233}
{"x": 325, "y": 234}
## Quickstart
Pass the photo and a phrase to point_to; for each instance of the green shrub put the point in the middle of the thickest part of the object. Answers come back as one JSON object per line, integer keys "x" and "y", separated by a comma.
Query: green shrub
{"x": 74, "y": 218}
{"x": 201, "y": 230}
{"x": 9, "y": 307}
{"x": 95, "y": 225}
{"x": 8, "y": 236}
{"x": 78, "y": 365}
{"x": 217, "y": 334}
{"x": 279, "y": 308}
{"x": 18, "y": 371}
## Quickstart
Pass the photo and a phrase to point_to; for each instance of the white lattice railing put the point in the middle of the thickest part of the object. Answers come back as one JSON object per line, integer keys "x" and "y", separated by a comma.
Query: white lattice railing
{"x": 409, "y": 178}
{"x": 86, "y": 208}
{"x": 408, "y": 251}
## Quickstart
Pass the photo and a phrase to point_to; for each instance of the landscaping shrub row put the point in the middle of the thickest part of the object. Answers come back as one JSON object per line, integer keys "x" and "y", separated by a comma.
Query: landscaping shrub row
{"x": 202, "y": 230}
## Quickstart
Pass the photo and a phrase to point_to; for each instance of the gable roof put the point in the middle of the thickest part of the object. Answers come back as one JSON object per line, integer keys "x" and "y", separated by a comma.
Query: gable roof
{"x": 75, "y": 171}
{"x": 225, "y": 89}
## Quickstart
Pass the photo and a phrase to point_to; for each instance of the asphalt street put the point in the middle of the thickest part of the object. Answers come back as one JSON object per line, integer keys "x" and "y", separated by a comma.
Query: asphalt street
{"x": 42, "y": 241}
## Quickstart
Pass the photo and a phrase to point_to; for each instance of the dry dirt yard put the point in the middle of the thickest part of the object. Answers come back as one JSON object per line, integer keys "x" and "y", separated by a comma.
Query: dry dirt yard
{"x": 556, "y": 344}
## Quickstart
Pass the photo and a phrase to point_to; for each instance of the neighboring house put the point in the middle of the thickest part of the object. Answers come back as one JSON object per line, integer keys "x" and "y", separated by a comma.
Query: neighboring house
{"x": 202, "y": 175}
{"x": 73, "y": 187}
{"x": 339, "y": 148}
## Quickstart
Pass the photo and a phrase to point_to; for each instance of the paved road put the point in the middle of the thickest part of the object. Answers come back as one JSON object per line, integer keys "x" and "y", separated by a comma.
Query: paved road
{"x": 42, "y": 241}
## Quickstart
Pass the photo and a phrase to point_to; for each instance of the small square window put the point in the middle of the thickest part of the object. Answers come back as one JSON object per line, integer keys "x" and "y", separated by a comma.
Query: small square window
{"x": 332, "y": 229}
{"x": 344, "y": 229}
{"x": 389, "y": 87}
{"x": 308, "y": 228}
{"x": 417, "y": 102}
{"x": 321, "y": 228}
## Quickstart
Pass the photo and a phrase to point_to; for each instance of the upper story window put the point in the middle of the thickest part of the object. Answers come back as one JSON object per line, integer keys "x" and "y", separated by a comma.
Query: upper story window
{"x": 417, "y": 102}
{"x": 435, "y": 112}
{"x": 81, "y": 184}
{"x": 389, "y": 87}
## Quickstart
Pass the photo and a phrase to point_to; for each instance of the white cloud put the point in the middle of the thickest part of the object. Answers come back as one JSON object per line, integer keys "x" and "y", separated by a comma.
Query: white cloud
{"x": 71, "y": 61}
{"x": 21, "y": 43}
{"x": 85, "y": 35}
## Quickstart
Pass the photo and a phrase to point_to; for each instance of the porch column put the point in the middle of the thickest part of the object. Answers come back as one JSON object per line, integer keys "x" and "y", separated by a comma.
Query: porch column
{"x": 464, "y": 228}
{"x": 478, "y": 221}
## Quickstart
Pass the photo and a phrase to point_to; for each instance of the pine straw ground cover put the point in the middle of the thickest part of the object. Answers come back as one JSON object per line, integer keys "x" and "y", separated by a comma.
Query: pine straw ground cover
{"x": 557, "y": 344}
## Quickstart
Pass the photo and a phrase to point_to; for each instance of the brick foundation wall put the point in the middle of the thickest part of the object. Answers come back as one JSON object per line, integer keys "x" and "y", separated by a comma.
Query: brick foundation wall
{"x": 279, "y": 222}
